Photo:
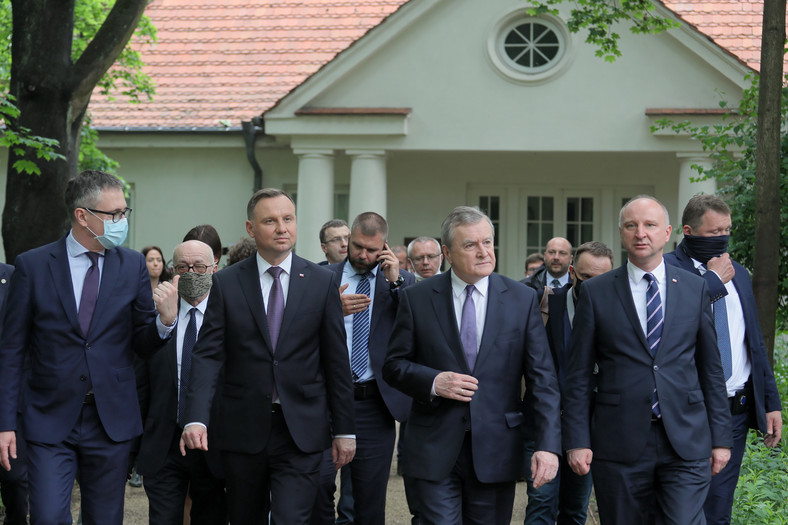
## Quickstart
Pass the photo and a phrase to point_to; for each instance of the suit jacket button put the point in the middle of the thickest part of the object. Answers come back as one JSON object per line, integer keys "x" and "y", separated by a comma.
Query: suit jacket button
{"x": 656, "y": 368}
{"x": 83, "y": 378}
{"x": 276, "y": 363}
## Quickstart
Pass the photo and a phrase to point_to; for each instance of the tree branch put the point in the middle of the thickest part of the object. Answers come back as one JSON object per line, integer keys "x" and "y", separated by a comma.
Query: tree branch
{"x": 103, "y": 50}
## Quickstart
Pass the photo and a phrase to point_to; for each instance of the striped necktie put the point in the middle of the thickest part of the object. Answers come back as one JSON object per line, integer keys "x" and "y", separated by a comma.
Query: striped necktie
{"x": 654, "y": 322}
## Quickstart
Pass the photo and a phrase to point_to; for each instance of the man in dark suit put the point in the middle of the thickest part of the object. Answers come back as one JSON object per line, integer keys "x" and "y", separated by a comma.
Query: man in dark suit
{"x": 461, "y": 344}
{"x": 555, "y": 272}
{"x": 369, "y": 319}
{"x": 752, "y": 391}
{"x": 163, "y": 378}
{"x": 78, "y": 308}
{"x": 13, "y": 483}
{"x": 658, "y": 423}
{"x": 274, "y": 325}
{"x": 565, "y": 499}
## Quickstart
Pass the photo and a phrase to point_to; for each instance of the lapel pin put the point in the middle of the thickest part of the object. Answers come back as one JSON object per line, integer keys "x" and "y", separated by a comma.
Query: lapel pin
{"x": 2, "y": 281}
{"x": 300, "y": 274}
{"x": 674, "y": 280}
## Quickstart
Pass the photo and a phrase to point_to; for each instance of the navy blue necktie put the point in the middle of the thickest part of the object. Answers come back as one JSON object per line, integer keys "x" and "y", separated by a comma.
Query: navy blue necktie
{"x": 359, "y": 355}
{"x": 723, "y": 336}
{"x": 87, "y": 302}
{"x": 654, "y": 322}
{"x": 189, "y": 340}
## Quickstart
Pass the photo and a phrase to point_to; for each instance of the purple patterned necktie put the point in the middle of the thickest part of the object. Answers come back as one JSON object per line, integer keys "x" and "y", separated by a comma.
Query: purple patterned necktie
{"x": 468, "y": 333}
{"x": 87, "y": 303}
{"x": 276, "y": 306}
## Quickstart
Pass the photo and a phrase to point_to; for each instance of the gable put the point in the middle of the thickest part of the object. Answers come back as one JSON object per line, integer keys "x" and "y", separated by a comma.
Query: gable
{"x": 435, "y": 59}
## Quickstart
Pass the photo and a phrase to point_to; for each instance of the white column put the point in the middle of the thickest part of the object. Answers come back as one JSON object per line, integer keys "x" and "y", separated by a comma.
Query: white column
{"x": 687, "y": 188}
{"x": 315, "y": 200}
{"x": 367, "y": 182}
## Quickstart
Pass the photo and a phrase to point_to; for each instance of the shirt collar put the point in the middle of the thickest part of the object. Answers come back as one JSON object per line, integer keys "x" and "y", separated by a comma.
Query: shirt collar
{"x": 74, "y": 248}
{"x": 349, "y": 271}
{"x": 458, "y": 285}
{"x": 263, "y": 265}
{"x": 185, "y": 308}
{"x": 636, "y": 274}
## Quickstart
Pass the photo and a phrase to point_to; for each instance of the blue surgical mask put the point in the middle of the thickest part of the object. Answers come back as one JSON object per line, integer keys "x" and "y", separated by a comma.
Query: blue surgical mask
{"x": 114, "y": 232}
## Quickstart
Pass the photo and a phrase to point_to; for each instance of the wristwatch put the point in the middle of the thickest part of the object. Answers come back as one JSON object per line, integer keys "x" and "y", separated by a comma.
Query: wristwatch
{"x": 397, "y": 283}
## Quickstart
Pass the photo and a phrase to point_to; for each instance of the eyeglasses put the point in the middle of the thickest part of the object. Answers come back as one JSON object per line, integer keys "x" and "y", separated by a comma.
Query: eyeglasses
{"x": 182, "y": 268}
{"x": 425, "y": 258}
{"x": 116, "y": 215}
{"x": 337, "y": 240}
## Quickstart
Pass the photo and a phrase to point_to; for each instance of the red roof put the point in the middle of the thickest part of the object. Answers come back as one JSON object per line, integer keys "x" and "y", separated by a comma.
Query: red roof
{"x": 733, "y": 24}
{"x": 218, "y": 62}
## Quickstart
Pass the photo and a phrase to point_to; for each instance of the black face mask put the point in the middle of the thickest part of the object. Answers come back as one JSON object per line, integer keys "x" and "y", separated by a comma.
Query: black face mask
{"x": 704, "y": 248}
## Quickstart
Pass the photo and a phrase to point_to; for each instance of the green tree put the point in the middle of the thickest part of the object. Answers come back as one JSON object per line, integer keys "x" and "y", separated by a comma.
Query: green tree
{"x": 732, "y": 147}
{"x": 53, "y": 54}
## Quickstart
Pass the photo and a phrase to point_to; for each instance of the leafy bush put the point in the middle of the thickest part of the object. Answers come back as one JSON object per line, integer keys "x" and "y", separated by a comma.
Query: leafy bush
{"x": 762, "y": 492}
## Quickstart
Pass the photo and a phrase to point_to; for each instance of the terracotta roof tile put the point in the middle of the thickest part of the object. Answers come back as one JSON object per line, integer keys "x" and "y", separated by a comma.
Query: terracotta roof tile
{"x": 229, "y": 60}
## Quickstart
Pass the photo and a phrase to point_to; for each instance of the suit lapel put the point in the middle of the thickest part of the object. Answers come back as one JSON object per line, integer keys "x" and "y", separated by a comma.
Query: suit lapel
{"x": 621, "y": 284}
{"x": 299, "y": 277}
{"x": 495, "y": 307}
{"x": 443, "y": 304}
{"x": 381, "y": 296}
{"x": 249, "y": 279}
{"x": 61, "y": 275}
{"x": 672, "y": 282}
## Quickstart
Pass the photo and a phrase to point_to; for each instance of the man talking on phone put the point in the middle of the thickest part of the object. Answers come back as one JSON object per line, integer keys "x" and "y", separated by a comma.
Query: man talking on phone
{"x": 371, "y": 282}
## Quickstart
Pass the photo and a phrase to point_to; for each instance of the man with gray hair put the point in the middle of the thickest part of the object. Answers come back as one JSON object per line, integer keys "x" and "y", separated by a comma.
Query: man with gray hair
{"x": 424, "y": 254}
{"x": 81, "y": 307}
{"x": 461, "y": 345}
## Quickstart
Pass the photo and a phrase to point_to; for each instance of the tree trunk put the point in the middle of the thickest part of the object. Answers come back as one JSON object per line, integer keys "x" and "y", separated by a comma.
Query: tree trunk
{"x": 767, "y": 171}
{"x": 52, "y": 93}
{"x": 35, "y": 212}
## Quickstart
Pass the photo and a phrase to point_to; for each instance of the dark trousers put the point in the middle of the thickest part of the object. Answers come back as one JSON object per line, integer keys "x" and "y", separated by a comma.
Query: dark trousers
{"x": 280, "y": 470}
{"x": 564, "y": 500}
{"x": 719, "y": 502}
{"x": 660, "y": 487}
{"x": 370, "y": 468}
{"x": 13, "y": 485}
{"x": 323, "y": 511}
{"x": 461, "y": 499}
{"x": 166, "y": 490}
{"x": 101, "y": 463}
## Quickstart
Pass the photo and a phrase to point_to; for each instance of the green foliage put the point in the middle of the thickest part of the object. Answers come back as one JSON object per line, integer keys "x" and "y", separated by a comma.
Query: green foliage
{"x": 731, "y": 147}
{"x": 599, "y": 17}
{"x": 762, "y": 493}
{"x": 21, "y": 140}
{"x": 124, "y": 78}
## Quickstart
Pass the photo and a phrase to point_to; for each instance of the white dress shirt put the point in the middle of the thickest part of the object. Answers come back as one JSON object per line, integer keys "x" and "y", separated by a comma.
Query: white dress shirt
{"x": 740, "y": 360}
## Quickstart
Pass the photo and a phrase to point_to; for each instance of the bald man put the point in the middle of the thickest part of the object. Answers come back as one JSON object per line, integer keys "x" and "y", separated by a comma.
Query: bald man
{"x": 555, "y": 273}
{"x": 167, "y": 474}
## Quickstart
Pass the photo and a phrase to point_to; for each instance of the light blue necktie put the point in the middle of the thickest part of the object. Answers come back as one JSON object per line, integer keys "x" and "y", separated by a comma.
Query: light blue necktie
{"x": 359, "y": 356}
{"x": 723, "y": 336}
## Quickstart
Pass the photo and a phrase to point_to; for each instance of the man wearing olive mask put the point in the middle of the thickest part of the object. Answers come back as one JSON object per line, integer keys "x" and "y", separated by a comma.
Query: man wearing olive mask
{"x": 163, "y": 382}
{"x": 752, "y": 391}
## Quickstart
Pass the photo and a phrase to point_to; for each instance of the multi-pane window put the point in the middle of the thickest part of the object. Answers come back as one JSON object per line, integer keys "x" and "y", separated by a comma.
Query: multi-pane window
{"x": 579, "y": 220}
{"x": 540, "y": 222}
